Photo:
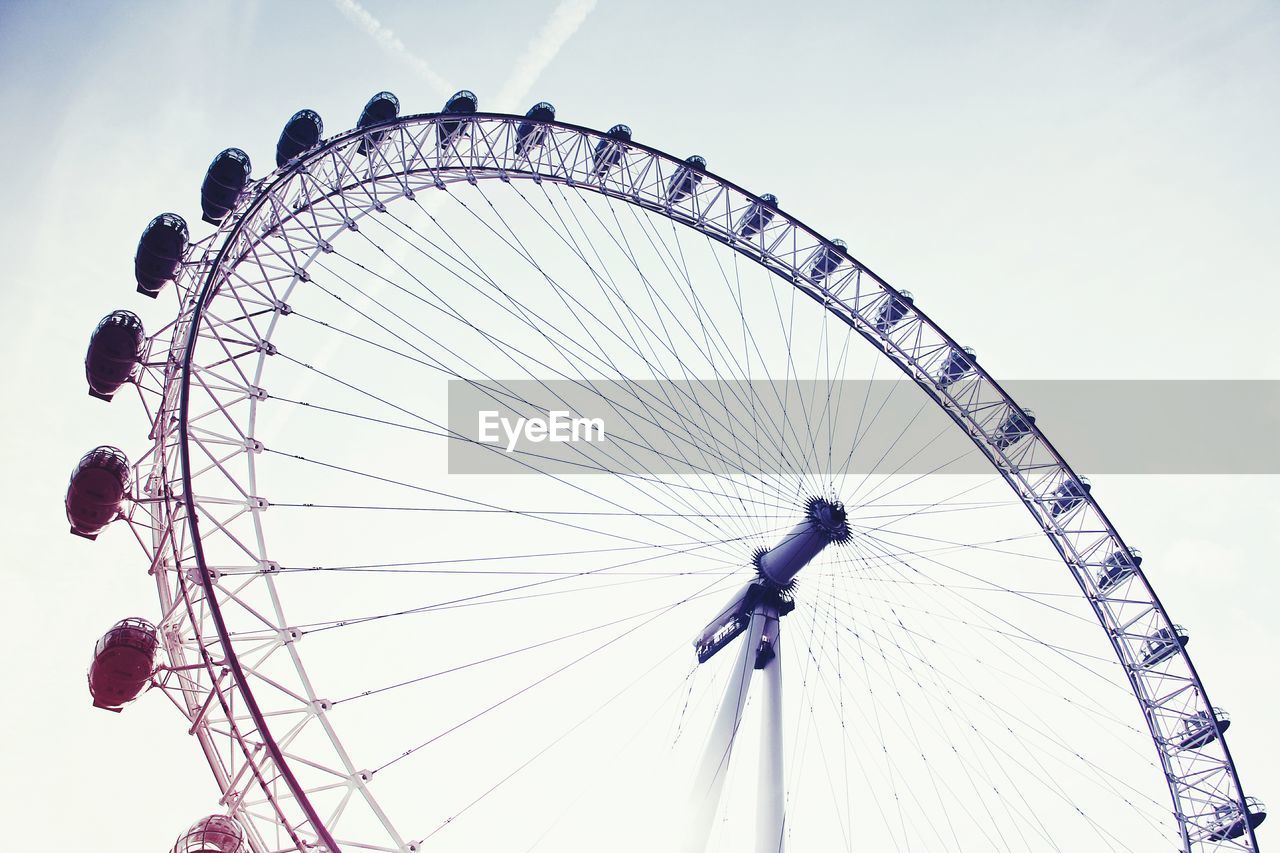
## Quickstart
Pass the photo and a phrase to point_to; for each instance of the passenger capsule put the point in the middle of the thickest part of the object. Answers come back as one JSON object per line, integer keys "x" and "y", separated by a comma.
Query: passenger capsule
{"x": 382, "y": 107}
{"x": 160, "y": 251}
{"x": 1118, "y": 568}
{"x": 897, "y": 306}
{"x": 1016, "y": 426}
{"x": 1232, "y": 820}
{"x": 532, "y": 130}
{"x": 611, "y": 149}
{"x": 213, "y": 834}
{"x": 958, "y": 363}
{"x": 301, "y": 133}
{"x": 1068, "y": 496}
{"x": 758, "y": 216}
{"x": 686, "y": 178}
{"x": 115, "y": 351}
{"x": 123, "y": 661}
{"x": 825, "y": 260}
{"x": 1203, "y": 728}
{"x": 462, "y": 103}
{"x": 1163, "y": 644}
{"x": 96, "y": 491}
{"x": 224, "y": 182}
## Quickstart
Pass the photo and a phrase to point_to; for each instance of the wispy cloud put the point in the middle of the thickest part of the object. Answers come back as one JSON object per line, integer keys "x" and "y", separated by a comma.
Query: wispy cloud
{"x": 391, "y": 43}
{"x": 559, "y": 28}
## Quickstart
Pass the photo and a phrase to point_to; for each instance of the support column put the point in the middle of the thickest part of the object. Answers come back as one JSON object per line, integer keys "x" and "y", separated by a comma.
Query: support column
{"x": 770, "y": 803}
{"x": 759, "y": 606}
{"x": 709, "y": 783}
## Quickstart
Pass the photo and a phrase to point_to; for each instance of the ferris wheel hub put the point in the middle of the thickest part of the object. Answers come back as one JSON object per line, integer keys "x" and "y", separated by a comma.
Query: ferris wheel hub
{"x": 825, "y": 522}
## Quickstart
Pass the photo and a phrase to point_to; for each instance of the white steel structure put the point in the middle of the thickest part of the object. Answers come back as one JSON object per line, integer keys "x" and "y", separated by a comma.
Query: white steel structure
{"x": 236, "y": 651}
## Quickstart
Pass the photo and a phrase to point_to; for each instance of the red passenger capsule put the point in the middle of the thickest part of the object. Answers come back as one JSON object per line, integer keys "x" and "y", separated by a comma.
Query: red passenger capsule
{"x": 122, "y": 663}
{"x": 226, "y": 179}
{"x": 115, "y": 351}
{"x": 96, "y": 490}
{"x": 213, "y": 834}
{"x": 160, "y": 251}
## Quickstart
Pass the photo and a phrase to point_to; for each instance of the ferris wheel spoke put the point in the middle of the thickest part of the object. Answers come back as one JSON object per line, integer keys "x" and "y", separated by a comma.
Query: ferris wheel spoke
{"x": 769, "y": 458}
{"x": 661, "y": 331}
{"x": 440, "y": 431}
{"x": 526, "y": 359}
{"x": 687, "y": 291}
{"x": 814, "y": 678}
{"x": 1030, "y": 668}
{"x": 364, "y": 392}
{"x": 895, "y": 514}
{"x": 878, "y": 550}
{"x": 1036, "y": 728}
{"x": 947, "y": 504}
{"x": 862, "y": 487}
{"x": 774, "y": 456}
{"x": 725, "y": 569}
{"x": 808, "y": 697}
{"x": 419, "y": 679}
{"x": 750, "y": 346}
{"x": 579, "y": 313}
{"x": 543, "y": 679}
{"x": 600, "y": 271}
{"x": 589, "y": 784}
{"x": 947, "y": 545}
{"x": 909, "y": 728}
{"x": 876, "y": 558}
{"x": 910, "y": 656}
{"x": 565, "y": 734}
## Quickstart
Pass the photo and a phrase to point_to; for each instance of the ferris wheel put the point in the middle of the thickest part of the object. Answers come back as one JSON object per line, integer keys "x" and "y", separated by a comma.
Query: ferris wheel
{"x": 389, "y": 630}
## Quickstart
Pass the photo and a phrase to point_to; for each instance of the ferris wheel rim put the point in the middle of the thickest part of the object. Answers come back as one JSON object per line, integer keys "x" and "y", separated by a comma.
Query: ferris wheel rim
{"x": 215, "y": 273}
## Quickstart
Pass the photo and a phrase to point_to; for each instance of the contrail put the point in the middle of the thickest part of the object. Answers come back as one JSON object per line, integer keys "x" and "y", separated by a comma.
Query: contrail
{"x": 559, "y": 28}
{"x": 391, "y": 43}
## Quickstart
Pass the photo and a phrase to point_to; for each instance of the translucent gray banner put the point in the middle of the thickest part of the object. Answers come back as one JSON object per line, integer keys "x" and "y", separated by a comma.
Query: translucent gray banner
{"x": 727, "y": 428}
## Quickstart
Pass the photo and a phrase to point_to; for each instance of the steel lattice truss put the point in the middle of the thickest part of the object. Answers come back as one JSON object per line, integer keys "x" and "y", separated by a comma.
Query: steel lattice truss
{"x": 282, "y": 769}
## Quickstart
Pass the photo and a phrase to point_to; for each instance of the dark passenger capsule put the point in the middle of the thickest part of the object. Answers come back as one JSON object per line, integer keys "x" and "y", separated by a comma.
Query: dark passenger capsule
{"x": 1163, "y": 644}
{"x": 463, "y": 103}
{"x": 1013, "y": 429}
{"x": 115, "y": 350}
{"x": 122, "y": 663}
{"x": 1232, "y": 820}
{"x": 758, "y": 216}
{"x": 531, "y": 131}
{"x": 958, "y": 363}
{"x": 96, "y": 490}
{"x": 160, "y": 251}
{"x": 826, "y": 260}
{"x": 213, "y": 834}
{"x": 301, "y": 133}
{"x": 611, "y": 149}
{"x": 227, "y": 177}
{"x": 1068, "y": 496}
{"x": 1117, "y": 568}
{"x": 383, "y": 106}
{"x": 893, "y": 310}
{"x": 1201, "y": 729}
{"x": 686, "y": 178}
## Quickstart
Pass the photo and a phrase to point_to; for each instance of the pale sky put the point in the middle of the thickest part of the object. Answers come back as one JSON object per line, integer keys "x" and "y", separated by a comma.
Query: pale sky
{"x": 1083, "y": 190}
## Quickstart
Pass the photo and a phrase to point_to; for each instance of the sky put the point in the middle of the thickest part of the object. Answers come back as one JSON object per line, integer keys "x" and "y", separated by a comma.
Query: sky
{"x": 1080, "y": 191}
